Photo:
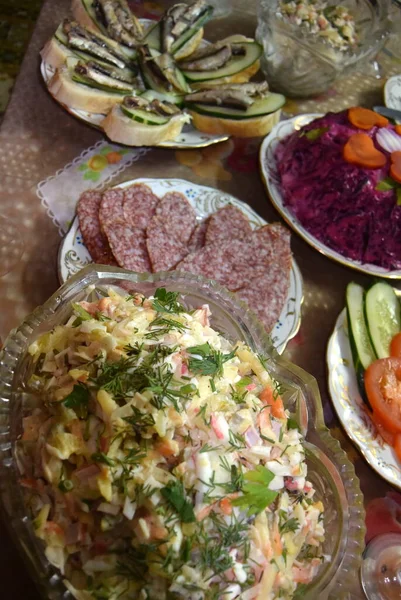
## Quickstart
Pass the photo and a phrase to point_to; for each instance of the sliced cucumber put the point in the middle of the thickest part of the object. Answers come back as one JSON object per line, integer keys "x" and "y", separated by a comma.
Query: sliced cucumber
{"x": 236, "y": 64}
{"x": 362, "y": 349}
{"x": 143, "y": 116}
{"x": 153, "y": 37}
{"x": 152, "y": 84}
{"x": 383, "y": 317}
{"x": 60, "y": 35}
{"x": 88, "y": 6}
{"x": 99, "y": 86}
{"x": 263, "y": 106}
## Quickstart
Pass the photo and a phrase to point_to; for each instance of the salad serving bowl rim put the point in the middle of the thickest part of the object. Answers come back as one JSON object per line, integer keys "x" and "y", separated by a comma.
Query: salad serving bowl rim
{"x": 322, "y": 449}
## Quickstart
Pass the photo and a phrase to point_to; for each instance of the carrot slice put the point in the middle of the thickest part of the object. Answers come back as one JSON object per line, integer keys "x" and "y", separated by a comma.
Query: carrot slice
{"x": 395, "y": 169}
{"x": 277, "y": 407}
{"x": 363, "y": 118}
{"x": 360, "y": 150}
{"x": 398, "y": 129}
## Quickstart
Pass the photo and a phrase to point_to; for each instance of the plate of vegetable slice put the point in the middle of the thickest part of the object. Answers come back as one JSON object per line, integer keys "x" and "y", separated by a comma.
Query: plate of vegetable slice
{"x": 364, "y": 371}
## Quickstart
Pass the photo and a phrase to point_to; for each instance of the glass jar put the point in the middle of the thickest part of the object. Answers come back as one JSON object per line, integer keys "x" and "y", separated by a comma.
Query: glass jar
{"x": 299, "y": 63}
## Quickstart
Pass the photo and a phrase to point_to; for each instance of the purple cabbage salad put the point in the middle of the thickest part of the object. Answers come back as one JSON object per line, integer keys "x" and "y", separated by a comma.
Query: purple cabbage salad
{"x": 338, "y": 202}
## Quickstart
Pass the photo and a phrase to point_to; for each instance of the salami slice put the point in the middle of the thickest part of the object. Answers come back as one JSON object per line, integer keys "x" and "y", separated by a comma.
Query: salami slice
{"x": 139, "y": 205}
{"x": 178, "y": 216}
{"x": 95, "y": 241}
{"x": 266, "y": 294}
{"x": 198, "y": 237}
{"x": 227, "y": 223}
{"x": 169, "y": 231}
{"x": 164, "y": 250}
{"x": 261, "y": 262}
{"x": 128, "y": 245}
{"x": 111, "y": 207}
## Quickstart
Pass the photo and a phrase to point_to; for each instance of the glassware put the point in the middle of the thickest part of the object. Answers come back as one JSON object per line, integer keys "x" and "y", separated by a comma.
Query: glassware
{"x": 11, "y": 245}
{"x": 221, "y": 8}
{"x": 381, "y": 568}
{"x": 329, "y": 469}
{"x": 301, "y": 64}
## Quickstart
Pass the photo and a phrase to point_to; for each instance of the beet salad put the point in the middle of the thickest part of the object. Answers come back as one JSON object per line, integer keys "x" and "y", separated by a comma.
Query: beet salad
{"x": 341, "y": 178}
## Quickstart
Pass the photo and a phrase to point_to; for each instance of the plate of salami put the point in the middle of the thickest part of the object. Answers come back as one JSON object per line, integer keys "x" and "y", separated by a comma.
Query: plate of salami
{"x": 165, "y": 224}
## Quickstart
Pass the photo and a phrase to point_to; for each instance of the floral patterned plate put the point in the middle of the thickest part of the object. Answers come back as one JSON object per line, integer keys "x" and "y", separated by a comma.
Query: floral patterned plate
{"x": 273, "y": 187}
{"x": 73, "y": 255}
{"x": 351, "y": 409}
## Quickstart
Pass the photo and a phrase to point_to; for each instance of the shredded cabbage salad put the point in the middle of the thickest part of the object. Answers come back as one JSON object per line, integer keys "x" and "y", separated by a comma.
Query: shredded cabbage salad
{"x": 160, "y": 462}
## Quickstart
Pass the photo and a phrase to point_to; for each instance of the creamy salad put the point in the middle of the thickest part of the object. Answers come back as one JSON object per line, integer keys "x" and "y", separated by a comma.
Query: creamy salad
{"x": 331, "y": 22}
{"x": 160, "y": 461}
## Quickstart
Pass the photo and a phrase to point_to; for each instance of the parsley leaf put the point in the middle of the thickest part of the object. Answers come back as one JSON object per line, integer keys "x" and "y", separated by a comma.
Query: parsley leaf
{"x": 256, "y": 495}
{"x": 314, "y": 134}
{"x": 166, "y": 302}
{"x": 174, "y": 493}
{"x": 292, "y": 424}
{"x": 386, "y": 184}
{"x": 78, "y": 400}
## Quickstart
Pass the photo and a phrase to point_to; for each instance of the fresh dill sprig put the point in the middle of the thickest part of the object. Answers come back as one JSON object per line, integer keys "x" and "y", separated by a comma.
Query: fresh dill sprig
{"x": 205, "y": 360}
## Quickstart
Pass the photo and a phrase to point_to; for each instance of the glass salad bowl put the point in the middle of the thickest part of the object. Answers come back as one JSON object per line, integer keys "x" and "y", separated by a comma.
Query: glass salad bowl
{"x": 300, "y": 63}
{"x": 329, "y": 469}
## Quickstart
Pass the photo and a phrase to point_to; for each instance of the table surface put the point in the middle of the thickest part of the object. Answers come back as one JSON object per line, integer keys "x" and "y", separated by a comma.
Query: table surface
{"x": 37, "y": 138}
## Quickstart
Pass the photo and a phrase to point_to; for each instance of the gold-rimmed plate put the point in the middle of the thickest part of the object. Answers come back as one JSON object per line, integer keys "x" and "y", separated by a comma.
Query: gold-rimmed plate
{"x": 73, "y": 255}
{"x": 351, "y": 409}
{"x": 272, "y": 183}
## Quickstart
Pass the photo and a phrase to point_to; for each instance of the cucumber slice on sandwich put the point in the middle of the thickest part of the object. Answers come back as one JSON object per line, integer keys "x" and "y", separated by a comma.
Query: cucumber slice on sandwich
{"x": 142, "y": 122}
{"x": 160, "y": 74}
{"x": 239, "y": 57}
{"x": 97, "y": 76}
{"x": 258, "y": 108}
{"x": 178, "y": 26}
{"x": 84, "y": 12}
{"x": 243, "y": 110}
{"x": 150, "y": 112}
{"x": 235, "y": 101}
{"x": 112, "y": 18}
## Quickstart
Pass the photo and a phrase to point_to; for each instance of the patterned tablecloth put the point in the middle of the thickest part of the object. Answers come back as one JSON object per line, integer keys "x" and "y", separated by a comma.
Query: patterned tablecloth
{"x": 38, "y": 138}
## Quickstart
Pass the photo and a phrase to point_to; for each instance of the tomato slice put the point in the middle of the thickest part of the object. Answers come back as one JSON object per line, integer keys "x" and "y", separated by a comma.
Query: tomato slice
{"x": 395, "y": 346}
{"x": 397, "y": 446}
{"x": 386, "y": 435}
{"x": 383, "y": 388}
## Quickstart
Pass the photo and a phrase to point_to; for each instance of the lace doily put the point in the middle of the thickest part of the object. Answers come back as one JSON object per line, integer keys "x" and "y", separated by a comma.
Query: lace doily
{"x": 94, "y": 168}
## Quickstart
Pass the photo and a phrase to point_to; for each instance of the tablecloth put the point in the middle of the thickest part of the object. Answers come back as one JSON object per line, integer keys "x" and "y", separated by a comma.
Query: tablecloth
{"x": 38, "y": 137}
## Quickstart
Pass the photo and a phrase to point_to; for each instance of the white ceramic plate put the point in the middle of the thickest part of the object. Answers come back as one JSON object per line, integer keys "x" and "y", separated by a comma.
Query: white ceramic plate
{"x": 351, "y": 409}
{"x": 273, "y": 186}
{"x": 392, "y": 92}
{"x": 73, "y": 255}
{"x": 189, "y": 137}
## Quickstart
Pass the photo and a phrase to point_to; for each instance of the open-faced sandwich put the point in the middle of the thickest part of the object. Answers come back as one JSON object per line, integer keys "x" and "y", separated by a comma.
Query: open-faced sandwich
{"x": 243, "y": 110}
{"x": 139, "y": 121}
{"x": 150, "y": 81}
